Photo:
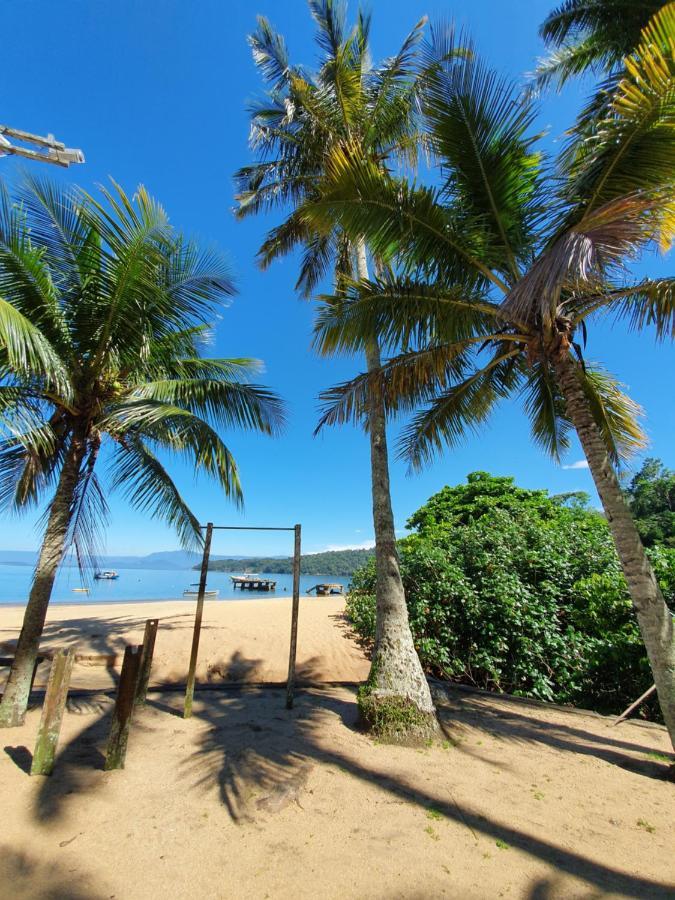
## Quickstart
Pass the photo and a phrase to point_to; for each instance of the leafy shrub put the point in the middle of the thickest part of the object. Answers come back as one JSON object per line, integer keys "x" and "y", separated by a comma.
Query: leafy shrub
{"x": 513, "y": 590}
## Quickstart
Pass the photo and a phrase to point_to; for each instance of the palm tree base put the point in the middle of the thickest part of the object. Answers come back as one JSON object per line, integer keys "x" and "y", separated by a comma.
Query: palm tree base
{"x": 394, "y": 718}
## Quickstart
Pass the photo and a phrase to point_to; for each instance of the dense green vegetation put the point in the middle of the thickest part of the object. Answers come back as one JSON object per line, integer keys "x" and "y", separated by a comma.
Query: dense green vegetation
{"x": 651, "y": 497}
{"x": 514, "y": 590}
{"x": 332, "y": 562}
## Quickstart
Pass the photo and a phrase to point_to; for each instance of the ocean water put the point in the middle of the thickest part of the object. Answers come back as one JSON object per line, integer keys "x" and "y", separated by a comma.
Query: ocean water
{"x": 143, "y": 584}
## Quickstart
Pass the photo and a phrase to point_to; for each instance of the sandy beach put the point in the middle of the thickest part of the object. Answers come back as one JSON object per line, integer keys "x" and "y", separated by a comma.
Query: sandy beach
{"x": 241, "y": 640}
{"x": 247, "y": 799}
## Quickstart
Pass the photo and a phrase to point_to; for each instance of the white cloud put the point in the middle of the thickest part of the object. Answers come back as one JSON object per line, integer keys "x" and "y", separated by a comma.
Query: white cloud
{"x": 579, "y": 464}
{"x": 366, "y": 545}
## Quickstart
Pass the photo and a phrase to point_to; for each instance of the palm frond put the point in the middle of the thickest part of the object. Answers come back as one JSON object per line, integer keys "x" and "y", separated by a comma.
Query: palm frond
{"x": 615, "y": 414}
{"x": 269, "y": 53}
{"x": 330, "y": 17}
{"x": 479, "y": 125}
{"x": 567, "y": 61}
{"x": 228, "y": 404}
{"x": 613, "y": 25}
{"x": 631, "y": 149}
{"x": 585, "y": 257}
{"x": 28, "y": 352}
{"x": 463, "y": 408}
{"x": 650, "y": 303}
{"x": 403, "y": 313}
{"x": 545, "y": 409}
{"x": 30, "y": 459}
{"x": 177, "y": 430}
{"x": 399, "y": 219}
{"x": 89, "y": 515}
{"x": 147, "y": 486}
{"x": 401, "y": 383}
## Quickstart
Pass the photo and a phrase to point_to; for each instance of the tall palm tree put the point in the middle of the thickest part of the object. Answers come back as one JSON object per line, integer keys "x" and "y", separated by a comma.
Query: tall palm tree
{"x": 595, "y": 35}
{"x": 103, "y": 309}
{"x": 368, "y": 112}
{"x": 505, "y": 268}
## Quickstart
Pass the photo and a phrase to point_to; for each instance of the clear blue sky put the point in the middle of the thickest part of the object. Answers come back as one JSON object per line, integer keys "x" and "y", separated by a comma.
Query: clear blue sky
{"x": 155, "y": 92}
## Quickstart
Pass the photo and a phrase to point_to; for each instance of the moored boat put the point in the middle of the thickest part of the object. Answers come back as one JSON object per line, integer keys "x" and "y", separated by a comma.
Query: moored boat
{"x": 193, "y": 591}
{"x": 107, "y": 575}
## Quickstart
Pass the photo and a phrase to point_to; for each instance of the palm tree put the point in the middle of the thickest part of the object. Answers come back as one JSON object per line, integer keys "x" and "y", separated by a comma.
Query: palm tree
{"x": 595, "y": 35}
{"x": 505, "y": 266}
{"x": 369, "y": 113}
{"x": 104, "y": 307}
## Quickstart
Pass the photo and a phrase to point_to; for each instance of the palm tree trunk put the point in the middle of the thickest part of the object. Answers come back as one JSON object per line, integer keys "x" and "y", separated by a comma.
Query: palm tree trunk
{"x": 396, "y": 701}
{"x": 654, "y": 617}
{"x": 15, "y": 698}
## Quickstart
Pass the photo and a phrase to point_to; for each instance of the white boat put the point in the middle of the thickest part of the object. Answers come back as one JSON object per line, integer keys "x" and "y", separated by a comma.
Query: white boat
{"x": 108, "y": 575}
{"x": 193, "y": 591}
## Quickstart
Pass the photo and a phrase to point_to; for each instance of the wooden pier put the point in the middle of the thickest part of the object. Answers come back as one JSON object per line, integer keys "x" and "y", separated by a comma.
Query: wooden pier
{"x": 252, "y": 583}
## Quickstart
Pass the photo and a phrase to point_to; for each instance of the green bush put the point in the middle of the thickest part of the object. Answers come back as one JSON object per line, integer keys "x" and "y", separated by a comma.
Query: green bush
{"x": 513, "y": 590}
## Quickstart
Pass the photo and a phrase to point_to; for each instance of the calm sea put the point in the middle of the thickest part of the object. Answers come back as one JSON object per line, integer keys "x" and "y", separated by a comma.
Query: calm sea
{"x": 142, "y": 584}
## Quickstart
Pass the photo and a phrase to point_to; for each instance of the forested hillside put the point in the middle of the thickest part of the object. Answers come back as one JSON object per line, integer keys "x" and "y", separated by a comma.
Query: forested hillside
{"x": 332, "y": 562}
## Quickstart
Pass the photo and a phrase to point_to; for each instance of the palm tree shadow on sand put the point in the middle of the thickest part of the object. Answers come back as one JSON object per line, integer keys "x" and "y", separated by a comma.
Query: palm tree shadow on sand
{"x": 259, "y": 756}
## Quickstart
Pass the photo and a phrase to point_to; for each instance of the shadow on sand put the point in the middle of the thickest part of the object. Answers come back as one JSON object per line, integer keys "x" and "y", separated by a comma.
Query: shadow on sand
{"x": 34, "y": 879}
{"x": 246, "y": 750}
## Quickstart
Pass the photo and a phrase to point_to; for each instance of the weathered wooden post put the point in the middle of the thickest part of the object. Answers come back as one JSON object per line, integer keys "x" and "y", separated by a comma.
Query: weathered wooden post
{"x": 190, "y": 689}
{"x": 146, "y": 660}
{"x": 52, "y": 712}
{"x": 290, "y": 685}
{"x": 124, "y": 708}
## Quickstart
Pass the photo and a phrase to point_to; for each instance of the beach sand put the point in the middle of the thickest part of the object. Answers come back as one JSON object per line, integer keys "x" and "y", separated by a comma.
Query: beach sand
{"x": 249, "y": 800}
{"x": 241, "y": 640}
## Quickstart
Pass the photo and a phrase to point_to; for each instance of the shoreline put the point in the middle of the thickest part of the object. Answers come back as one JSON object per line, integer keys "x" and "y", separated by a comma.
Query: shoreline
{"x": 12, "y": 604}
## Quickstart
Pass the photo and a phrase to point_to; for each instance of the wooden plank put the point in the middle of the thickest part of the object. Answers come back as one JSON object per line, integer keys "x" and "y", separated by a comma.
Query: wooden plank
{"x": 146, "y": 661}
{"x": 104, "y": 659}
{"x": 190, "y": 688}
{"x": 52, "y": 713}
{"x": 290, "y": 685}
{"x": 124, "y": 708}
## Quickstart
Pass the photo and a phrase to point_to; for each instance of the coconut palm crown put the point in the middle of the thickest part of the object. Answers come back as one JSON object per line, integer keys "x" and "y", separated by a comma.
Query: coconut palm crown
{"x": 305, "y": 115}
{"x": 103, "y": 310}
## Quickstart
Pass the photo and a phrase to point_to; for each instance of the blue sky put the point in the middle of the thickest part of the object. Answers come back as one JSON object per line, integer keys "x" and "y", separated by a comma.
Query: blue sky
{"x": 155, "y": 92}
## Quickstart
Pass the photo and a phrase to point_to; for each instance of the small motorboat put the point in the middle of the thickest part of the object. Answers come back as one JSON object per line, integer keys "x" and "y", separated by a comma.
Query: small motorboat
{"x": 108, "y": 575}
{"x": 193, "y": 591}
{"x": 80, "y": 590}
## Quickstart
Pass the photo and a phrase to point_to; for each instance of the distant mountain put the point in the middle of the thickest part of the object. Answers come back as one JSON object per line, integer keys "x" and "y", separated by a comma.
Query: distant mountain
{"x": 163, "y": 559}
{"x": 332, "y": 562}
{"x": 18, "y": 557}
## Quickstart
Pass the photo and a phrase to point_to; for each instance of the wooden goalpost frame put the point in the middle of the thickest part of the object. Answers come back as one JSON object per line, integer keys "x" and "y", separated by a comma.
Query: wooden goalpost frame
{"x": 209, "y": 529}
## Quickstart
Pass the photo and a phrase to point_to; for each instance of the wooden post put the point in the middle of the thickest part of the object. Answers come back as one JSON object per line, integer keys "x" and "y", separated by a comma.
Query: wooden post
{"x": 124, "y": 707}
{"x": 146, "y": 661}
{"x": 290, "y": 685}
{"x": 52, "y": 712}
{"x": 190, "y": 689}
{"x": 634, "y": 705}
